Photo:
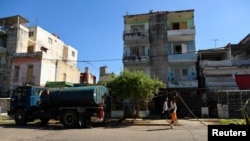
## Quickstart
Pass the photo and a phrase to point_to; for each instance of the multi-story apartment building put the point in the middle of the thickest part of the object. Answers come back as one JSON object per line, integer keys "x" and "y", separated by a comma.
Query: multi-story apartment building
{"x": 162, "y": 44}
{"x": 33, "y": 56}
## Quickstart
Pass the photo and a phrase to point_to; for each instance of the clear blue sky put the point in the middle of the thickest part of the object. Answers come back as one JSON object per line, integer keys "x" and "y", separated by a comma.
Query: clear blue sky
{"x": 95, "y": 27}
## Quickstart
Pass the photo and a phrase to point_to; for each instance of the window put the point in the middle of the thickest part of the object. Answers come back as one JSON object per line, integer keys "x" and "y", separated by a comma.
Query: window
{"x": 137, "y": 28}
{"x": 38, "y": 91}
{"x": 184, "y": 72}
{"x": 50, "y": 40}
{"x": 134, "y": 51}
{"x": 18, "y": 92}
{"x": 31, "y": 33}
{"x": 176, "y": 26}
{"x": 141, "y": 51}
{"x": 30, "y": 74}
{"x": 137, "y": 51}
{"x": 16, "y": 73}
{"x": 177, "y": 73}
{"x": 64, "y": 76}
{"x": 179, "y": 25}
{"x": 73, "y": 53}
{"x": 179, "y": 48}
{"x": 25, "y": 92}
{"x": 181, "y": 74}
{"x": 30, "y": 49}
{"x": 21, "y": 92}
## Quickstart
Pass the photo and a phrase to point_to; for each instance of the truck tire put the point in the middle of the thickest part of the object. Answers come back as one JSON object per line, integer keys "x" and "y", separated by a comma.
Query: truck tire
{"x": 20, "y": 117}
{"x": 70, "y": 119}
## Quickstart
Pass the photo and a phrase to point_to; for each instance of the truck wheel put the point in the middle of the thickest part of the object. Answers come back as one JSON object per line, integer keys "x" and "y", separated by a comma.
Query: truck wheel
{"x": 20, "y": 117}
{"x": 70, "y": 119}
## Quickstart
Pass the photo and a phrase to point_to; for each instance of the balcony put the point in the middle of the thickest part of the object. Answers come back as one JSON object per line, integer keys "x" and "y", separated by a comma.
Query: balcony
{"x": 32, "y": 54}
{"x": 182, "y": 57}
{"x": 130, "y": 36}
{"x": 225, "y": 63}
{"x": 181, "y": 35}
{"x": 137, "y": 59}
{"x": 183, "y": 83}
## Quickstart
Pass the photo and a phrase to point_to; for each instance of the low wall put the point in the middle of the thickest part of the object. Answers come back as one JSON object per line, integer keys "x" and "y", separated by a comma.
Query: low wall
{"x": 118, "y": 114}
{"x": 4, "y": 105}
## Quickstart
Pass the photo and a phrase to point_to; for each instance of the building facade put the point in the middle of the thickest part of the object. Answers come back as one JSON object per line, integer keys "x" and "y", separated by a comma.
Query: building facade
{"x": 33, "y": 56}
{"x": 87, "y": 77}
{"x": 162, "y": 45}
{"x": 225, "y": 74}
{"x": 105, "y": 75}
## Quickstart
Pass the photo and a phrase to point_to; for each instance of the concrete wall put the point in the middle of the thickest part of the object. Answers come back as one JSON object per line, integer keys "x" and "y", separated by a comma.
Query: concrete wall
{"x": 4, "y": 105}
{"x": 119, "y": 113}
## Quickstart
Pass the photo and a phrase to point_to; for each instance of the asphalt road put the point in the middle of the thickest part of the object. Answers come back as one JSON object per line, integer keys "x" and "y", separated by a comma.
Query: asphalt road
{"x": 54, "y": 131}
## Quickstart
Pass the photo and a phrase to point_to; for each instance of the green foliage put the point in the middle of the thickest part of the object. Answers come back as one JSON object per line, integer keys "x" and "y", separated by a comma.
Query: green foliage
{"x": 136, "y": 86}
{"x": 232, "y": 121}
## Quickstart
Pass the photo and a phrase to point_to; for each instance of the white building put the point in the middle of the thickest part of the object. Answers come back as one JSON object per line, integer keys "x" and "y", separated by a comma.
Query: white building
{"x": 35, "y": 56}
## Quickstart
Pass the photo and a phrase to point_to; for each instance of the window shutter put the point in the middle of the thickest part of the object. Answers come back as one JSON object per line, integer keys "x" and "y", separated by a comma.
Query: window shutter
{"x": 184, "y": 48}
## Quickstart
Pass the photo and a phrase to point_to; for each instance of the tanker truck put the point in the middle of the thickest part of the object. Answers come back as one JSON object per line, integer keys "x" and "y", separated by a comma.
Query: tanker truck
{"x": 72, "y": 106}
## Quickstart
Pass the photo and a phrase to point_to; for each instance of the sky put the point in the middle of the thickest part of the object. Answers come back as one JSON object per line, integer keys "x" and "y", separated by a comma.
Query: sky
{"x": 95, "y": 27}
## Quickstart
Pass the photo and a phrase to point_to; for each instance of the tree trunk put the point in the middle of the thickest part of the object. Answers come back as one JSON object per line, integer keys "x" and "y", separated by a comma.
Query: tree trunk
{"x": 125, "y": 114}
{"x": 137, "y": 109}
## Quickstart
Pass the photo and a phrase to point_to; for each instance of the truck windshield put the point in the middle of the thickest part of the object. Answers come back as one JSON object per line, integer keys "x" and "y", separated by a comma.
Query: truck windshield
{"x": 20, "y": 92}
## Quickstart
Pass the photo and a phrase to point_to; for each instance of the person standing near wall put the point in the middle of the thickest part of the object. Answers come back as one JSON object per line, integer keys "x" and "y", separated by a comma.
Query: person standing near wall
{"x": 173, "y": 109}
{"x": 165, "y": 108}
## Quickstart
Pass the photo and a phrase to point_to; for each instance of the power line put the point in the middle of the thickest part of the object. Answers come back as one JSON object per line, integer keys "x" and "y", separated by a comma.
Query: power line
{"x": 98, "y": 60}
{"x": 105, "y": 60}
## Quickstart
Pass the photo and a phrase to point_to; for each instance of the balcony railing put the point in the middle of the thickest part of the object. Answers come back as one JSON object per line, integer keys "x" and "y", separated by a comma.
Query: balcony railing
{"x": 225, "y": 63}
{"x": 182, "y": 57}
{"x": 129, "y": 34}
{"x": 136, "y": 59}
{"x": 181, "y": 32}
{"x": 32, "y": 54}
{"x": 182, "y": 84}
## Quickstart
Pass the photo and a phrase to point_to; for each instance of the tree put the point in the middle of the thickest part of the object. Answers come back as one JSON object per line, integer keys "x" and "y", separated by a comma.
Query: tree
{"x": 136, "y": 86}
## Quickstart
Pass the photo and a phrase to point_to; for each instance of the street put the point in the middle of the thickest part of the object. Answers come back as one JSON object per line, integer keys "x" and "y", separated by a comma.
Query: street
{"x": 55, "y": 132}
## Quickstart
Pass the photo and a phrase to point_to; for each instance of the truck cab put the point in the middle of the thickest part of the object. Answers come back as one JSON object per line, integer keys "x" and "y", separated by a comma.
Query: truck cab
{"x": 24, "y": 100}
